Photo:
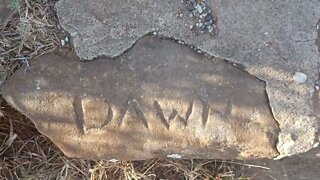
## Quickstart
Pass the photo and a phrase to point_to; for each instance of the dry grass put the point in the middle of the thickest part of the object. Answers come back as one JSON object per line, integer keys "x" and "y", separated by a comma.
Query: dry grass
{"x": 30, "y": 32}
{"x": 26, "y": 154}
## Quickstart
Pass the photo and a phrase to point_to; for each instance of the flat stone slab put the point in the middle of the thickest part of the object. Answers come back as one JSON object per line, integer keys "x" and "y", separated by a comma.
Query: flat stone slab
{"x": 159, "y": 99}
{"x": 273, "y": 40}
{"x": 4, "y": 10}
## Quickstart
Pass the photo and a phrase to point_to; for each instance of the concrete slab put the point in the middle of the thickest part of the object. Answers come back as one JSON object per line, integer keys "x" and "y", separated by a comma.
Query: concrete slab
{"x": 273, "y": 40}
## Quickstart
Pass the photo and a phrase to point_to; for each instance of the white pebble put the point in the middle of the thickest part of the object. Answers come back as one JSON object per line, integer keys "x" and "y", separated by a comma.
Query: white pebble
{"x": 113, "y": 160}
{"x": 181, "y": 42}
{"x": 199, "y": 9}
{"x": 300, "y": 77}
{"x": 174, "y": 156}
{"x": 63, "y": 42}
{"x": 38, "y": 85}
{"x": 317, "y": 88}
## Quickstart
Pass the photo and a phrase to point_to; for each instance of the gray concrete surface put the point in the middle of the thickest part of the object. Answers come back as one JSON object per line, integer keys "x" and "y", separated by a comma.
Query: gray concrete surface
{"x": 273, "y": 40}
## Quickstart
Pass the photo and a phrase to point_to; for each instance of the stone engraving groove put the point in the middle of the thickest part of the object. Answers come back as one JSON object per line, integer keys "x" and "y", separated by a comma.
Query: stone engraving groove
{"x": 228, "y": 110}
{"x": 109, "y": 117}
{"x": 161, "y": 115}
{"x": 123, "y": 112}
{"x": 78, "y": 112}
{"x": 132, "y": 103}
{"x": 166, "y": 122}
{"x": 139, "y": 113}
{"x": 205, "y": 112}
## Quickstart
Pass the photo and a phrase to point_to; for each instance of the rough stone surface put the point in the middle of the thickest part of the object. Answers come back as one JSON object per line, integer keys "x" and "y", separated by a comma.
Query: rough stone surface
{"x": 271, "y": 39}
{"x": 298, "y": 167}
{"x": 160, "y": 99}
{"x": 318, "y": 38}
{"x": 4, "y": 10}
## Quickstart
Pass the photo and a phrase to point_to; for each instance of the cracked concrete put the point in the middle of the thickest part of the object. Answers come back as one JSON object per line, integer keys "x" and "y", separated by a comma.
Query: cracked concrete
{"x": 272, "y": 40}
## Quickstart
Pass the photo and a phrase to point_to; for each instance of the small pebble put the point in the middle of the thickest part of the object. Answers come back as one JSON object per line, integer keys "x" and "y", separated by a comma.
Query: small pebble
{"x": 113, "y": 160}
{"x": 208, "y": 23}
{"x": 208, "y": 17}
{"x": 210, "y": 28}
{"x": 174, "y": 156}
{"x": 190, "y": 7}
{"x": 203, "y": 27}
{"x": 199, "y": 9}
{"x": 300, "y": 77}
{"x": 193, "y": 2}
{"x": 63, "y": 42}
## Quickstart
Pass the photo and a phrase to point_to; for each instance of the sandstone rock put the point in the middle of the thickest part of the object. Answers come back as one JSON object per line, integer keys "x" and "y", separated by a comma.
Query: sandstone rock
{"x": 271, "y": 39}
{"x": 159, "y": 99}
{"x": 4, "y": 10}
{"x": 298, "y": 167}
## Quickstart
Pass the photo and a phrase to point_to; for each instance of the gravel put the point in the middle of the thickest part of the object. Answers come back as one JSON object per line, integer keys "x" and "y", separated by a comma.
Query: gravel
{"x": 202, "y": 17}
